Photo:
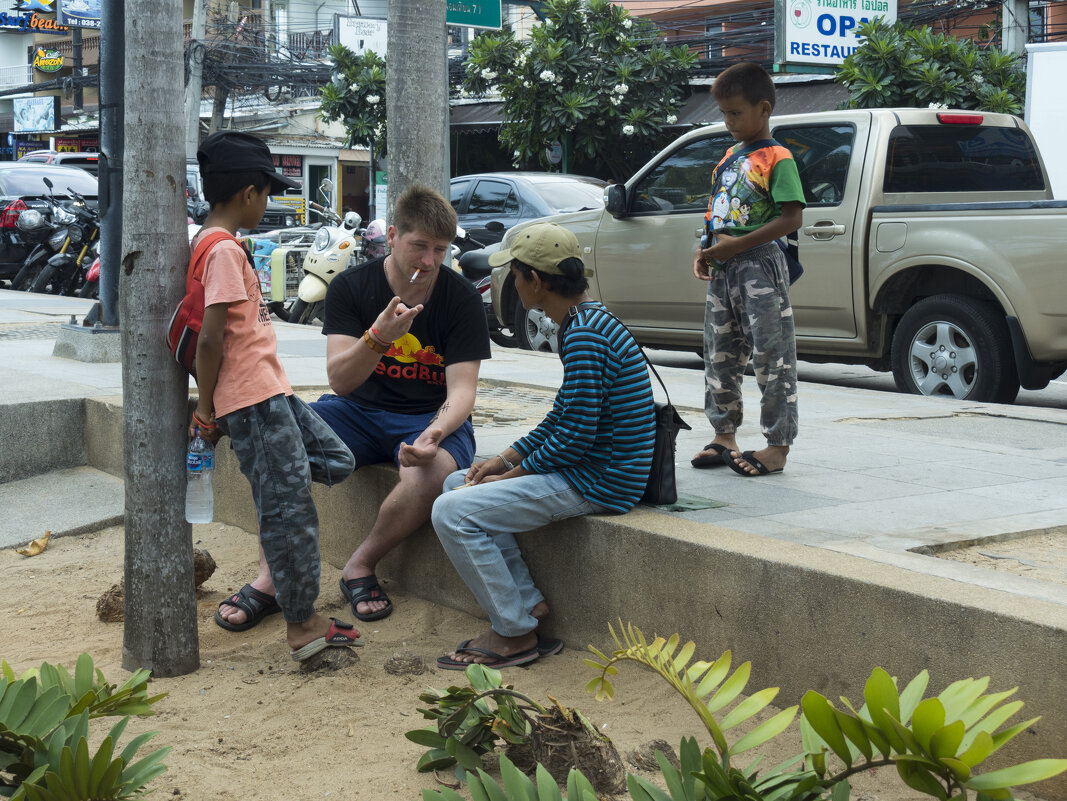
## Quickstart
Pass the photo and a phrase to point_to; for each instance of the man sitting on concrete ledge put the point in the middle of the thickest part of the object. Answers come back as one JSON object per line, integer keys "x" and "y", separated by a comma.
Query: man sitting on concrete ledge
{"x": 591, "y": 454}
{"x": 405, "y": 340}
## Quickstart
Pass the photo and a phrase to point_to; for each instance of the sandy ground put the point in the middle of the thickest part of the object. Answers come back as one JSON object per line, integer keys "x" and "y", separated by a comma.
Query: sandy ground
{"x": 248, "y": 725}
{"x": 1041, "y": 555}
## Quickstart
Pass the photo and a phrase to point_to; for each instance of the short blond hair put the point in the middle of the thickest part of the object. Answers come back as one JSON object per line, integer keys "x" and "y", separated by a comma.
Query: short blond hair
{"x": 420, "y": 208}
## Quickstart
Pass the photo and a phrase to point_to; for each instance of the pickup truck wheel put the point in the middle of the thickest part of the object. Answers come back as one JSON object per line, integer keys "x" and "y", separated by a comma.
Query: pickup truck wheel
{"x": 953, "y": 346}
{"x": 534, "y": 329}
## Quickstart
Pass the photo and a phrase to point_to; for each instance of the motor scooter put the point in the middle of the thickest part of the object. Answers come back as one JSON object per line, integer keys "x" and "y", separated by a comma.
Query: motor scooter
{"x": 337, "y": 245}
{"x": 474, "y": 264}
{"x": 65, "y": 271}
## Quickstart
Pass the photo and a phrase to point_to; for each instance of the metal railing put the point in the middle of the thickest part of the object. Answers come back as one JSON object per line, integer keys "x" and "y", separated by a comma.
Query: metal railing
{"x": 16, "y": 75}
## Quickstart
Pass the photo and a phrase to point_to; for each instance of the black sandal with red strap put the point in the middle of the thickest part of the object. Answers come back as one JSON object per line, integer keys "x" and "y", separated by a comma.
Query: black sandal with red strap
{"x": 363, "y": 590}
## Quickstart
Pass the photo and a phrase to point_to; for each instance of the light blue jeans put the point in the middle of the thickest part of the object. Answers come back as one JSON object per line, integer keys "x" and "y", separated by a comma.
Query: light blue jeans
{"x": 476, "y": 526}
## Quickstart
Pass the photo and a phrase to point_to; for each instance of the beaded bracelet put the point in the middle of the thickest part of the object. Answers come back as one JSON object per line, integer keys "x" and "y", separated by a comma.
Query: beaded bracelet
{"x": 373, "y": 344}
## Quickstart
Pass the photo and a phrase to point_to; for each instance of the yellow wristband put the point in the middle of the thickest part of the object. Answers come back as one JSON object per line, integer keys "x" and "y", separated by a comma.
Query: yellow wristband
{"x": 377, "y": 347}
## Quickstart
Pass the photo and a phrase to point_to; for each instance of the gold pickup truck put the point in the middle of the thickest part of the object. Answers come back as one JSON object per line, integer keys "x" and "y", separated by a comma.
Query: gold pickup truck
{"x": 931, "y": 246}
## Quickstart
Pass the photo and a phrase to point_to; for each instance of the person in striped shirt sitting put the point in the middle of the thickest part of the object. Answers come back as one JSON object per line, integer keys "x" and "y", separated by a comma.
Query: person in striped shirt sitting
{"x": 590, "y": 455}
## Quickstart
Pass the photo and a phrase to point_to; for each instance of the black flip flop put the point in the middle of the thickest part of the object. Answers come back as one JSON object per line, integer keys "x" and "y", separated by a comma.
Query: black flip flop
{"x": 709, "y": 460}
{"x": 748, "y": 456}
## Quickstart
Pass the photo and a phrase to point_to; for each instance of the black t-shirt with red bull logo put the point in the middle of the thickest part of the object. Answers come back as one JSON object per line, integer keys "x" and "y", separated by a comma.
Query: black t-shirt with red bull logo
{"x": 410, "y": 377}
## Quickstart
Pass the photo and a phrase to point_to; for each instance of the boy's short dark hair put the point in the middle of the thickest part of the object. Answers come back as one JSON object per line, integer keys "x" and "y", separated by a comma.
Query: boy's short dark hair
{"x": 749, "y": 80}
{"x": 221, "y": 186}
{"x": 571, "y": 282}
{"x": 420, "y": 208}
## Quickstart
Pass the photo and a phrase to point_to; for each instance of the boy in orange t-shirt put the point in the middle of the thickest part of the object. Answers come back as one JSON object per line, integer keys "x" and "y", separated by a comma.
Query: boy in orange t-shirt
{"x": 280, "y": 443}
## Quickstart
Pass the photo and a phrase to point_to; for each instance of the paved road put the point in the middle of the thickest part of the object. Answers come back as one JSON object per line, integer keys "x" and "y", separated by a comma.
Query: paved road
{"x": 1054, "y": 396}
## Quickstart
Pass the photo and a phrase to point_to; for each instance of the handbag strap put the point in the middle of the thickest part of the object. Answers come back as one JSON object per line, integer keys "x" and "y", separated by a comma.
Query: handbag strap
{"x": 572, "y": 312}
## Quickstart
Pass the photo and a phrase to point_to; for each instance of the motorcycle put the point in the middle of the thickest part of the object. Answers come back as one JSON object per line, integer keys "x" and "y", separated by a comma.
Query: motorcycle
{"x": 474, "y": 264}
{"x": 63, "y": 273}
{"x": 337, "y": 244}
{"x": 48, "y": 234}
{"x": 90, "y": 287}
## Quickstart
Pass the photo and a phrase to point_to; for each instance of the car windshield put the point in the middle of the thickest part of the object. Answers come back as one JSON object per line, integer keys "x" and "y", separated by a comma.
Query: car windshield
{"x": 29, "y": 182}
{"x": 570, "y": 195}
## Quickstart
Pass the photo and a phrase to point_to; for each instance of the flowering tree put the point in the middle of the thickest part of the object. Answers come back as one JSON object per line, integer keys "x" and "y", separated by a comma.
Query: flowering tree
{"x": 897, "y": 65}
{"x": 356, "y": 96}
{"x": 590, "y": 77}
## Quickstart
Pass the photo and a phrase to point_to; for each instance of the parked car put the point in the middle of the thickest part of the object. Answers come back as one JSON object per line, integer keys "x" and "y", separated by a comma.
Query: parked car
{"x": 511, "y": 198}
{"x": 276, "y": 216}
{"x": 22, "y": 187}
{"x": 87, "y": 161}
{"x": 931, "y": 246}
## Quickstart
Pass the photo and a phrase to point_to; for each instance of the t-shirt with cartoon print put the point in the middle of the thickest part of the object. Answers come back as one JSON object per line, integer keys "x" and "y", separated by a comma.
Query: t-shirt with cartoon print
{"x": 410, "y": 377}
{"x": 750, "y": 192}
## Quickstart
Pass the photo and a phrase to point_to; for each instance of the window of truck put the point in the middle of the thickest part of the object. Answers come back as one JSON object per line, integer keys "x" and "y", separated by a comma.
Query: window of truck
{"x": 961, "y": 158}
{"x": 682, "y": 181}
{"x": 822, "y": 154}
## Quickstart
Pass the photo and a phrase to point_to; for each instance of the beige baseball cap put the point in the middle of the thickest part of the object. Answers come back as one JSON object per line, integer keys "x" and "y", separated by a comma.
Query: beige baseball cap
{"x": 542, "y": 246}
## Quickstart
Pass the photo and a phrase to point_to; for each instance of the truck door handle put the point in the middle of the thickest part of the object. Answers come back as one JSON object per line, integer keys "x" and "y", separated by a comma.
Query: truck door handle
{"x": 824, "y": 229}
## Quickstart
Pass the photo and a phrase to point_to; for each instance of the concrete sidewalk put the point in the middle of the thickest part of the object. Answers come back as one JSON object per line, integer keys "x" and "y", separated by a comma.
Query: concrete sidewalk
{"x": 873, "y": 474}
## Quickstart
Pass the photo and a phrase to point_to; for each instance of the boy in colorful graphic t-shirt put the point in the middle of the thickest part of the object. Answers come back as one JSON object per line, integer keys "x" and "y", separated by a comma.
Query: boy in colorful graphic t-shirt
{"x": 756, "y": 198}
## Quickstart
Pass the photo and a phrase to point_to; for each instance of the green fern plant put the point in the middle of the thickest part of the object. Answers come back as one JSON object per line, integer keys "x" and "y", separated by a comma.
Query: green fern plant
{"x": 44, "y": 732}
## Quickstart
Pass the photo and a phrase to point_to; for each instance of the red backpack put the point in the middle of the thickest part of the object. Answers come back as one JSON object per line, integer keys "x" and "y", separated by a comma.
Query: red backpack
{"x": 184, "y": 329}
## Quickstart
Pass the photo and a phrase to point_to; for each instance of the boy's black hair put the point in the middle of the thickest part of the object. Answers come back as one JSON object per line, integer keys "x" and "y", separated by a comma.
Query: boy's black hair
{"x": 221, "y": 186}
{"x": 749, "y": 80}
{"x": 571, "y": 283}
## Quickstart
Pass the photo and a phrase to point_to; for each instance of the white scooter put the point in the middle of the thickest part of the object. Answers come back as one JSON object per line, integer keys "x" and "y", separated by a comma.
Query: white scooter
{"x": 337, "y": 245}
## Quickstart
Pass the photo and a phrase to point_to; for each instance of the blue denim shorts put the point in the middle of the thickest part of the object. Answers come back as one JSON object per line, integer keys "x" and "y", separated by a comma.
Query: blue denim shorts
{"x": 375, "y": 435}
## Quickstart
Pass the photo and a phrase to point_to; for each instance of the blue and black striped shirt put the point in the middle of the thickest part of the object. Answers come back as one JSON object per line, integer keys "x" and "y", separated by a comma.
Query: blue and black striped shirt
{"x": 601, "y": 429}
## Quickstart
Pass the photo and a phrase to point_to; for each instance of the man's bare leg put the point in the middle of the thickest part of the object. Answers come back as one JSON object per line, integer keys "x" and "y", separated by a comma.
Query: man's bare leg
{"x": 263, "y": 583}
{"x": 405, "y": 509}
{"x": 727, "y": 441}
{"x": 498, "y": 644}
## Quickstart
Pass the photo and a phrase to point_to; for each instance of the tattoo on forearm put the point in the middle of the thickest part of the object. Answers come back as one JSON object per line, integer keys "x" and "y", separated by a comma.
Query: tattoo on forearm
{"x": 442, "y": 410}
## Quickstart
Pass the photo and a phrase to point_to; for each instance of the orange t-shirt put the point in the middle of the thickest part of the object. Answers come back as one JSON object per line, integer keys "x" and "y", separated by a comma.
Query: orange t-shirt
{"x": 250, "y": 371}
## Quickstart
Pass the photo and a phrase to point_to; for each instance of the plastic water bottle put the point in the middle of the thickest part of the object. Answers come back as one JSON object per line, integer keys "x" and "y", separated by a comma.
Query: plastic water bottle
{"x": 199, "y": 468}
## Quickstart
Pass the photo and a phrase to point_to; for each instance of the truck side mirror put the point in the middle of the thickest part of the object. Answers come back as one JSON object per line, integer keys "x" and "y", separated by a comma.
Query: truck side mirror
{"x": 615, "y": 200}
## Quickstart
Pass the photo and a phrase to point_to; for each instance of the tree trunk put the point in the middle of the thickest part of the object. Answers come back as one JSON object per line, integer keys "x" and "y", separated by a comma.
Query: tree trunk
{"x": 160, "y": 630}
{"x": 417, "y": 97}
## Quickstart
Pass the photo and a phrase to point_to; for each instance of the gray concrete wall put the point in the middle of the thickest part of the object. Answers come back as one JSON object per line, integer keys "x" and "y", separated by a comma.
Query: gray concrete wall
{"x": 42, "y": 436}
{"x": 807, "y": 618}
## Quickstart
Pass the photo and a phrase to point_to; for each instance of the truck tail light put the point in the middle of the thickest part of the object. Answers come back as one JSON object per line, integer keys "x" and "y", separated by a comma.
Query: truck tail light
{"x": 10, "y": 214}
{"x": 950, "y": 118}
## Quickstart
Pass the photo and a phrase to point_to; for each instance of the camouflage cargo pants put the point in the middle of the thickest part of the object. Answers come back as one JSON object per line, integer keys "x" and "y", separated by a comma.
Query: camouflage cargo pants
{"x": 282, "y": 446}
{"x": 748, "y": 316}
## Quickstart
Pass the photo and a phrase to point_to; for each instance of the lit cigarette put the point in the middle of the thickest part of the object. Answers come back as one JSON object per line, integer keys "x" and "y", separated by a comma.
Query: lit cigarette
{"x": 414, "y": 275}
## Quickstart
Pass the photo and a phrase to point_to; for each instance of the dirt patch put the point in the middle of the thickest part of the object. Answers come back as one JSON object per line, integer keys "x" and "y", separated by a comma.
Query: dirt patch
{"x": 249, "y": 725}
{"x": 1039, "y": 555}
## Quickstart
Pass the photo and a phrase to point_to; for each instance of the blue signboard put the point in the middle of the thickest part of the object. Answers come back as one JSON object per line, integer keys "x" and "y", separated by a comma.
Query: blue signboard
{"x": 79, "y": 13}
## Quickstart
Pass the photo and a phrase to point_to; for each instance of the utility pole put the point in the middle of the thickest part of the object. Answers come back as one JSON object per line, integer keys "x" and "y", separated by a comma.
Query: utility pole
{"x": 417, "y": 97}
{"x": 194, "y": 87}
{"x": 112, "y": 74}
{"x": 1014, "y": 26}
{"x": 160, "y": 632}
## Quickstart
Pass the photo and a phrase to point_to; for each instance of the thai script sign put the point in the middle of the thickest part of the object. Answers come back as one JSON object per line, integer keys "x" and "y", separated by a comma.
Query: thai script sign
{"x": 824, "y": 31}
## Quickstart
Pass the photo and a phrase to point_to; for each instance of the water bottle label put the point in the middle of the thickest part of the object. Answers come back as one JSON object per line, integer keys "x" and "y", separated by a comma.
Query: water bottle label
{"x": 207, "y": 460}
{"x": 194, "y": 462}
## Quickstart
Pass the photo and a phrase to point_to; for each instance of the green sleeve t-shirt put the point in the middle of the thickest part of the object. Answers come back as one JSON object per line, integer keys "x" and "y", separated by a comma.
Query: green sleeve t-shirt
{"x": 750, "y": 192}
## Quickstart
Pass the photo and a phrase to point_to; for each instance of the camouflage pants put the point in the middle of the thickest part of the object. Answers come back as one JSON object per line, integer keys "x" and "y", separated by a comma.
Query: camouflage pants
{"x": 282, "y": 446}
{"x": 748, "y": 316}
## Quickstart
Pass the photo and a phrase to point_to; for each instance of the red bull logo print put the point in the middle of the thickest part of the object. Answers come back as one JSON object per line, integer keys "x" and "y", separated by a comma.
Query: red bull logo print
{"x": 415, "y": 362}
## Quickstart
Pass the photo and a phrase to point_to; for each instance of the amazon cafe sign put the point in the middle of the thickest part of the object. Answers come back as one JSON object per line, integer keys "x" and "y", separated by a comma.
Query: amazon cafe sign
{"x": 823, "y": 32}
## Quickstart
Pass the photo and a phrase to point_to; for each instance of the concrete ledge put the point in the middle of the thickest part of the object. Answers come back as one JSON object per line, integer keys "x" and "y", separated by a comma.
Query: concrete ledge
{"x": 38, "y": 437}
{"x": 807, "y": 618}
{"x": 85, "y": 344}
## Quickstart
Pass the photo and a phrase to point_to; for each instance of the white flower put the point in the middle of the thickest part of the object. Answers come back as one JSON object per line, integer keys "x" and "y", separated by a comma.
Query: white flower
{"x": 525, "y": 84}
{"x": 978, "y": 79}
{"x": 515, "y": 155}
{"x": 372, "y": 99}
{"x": 628, "y": 130}
{"x": 464, "y": 93}
{"x": 547, "y": 75}
{"x": 671, "y": 119}
{"x": 937, "y": 105}
{"x": 615, "y": 100}
{"x": 627, "y": 23}
{"x": 488, "y": 74}
{"x": 622, "y": 88}
{"x": 521, "y": 60}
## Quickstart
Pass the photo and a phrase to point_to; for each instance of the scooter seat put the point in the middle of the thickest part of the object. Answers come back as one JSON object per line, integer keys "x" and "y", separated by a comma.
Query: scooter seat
{"x": 474, "y": 264}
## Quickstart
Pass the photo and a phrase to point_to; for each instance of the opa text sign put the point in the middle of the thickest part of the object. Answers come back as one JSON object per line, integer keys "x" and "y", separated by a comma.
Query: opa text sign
{"x": 823, "y": 32}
